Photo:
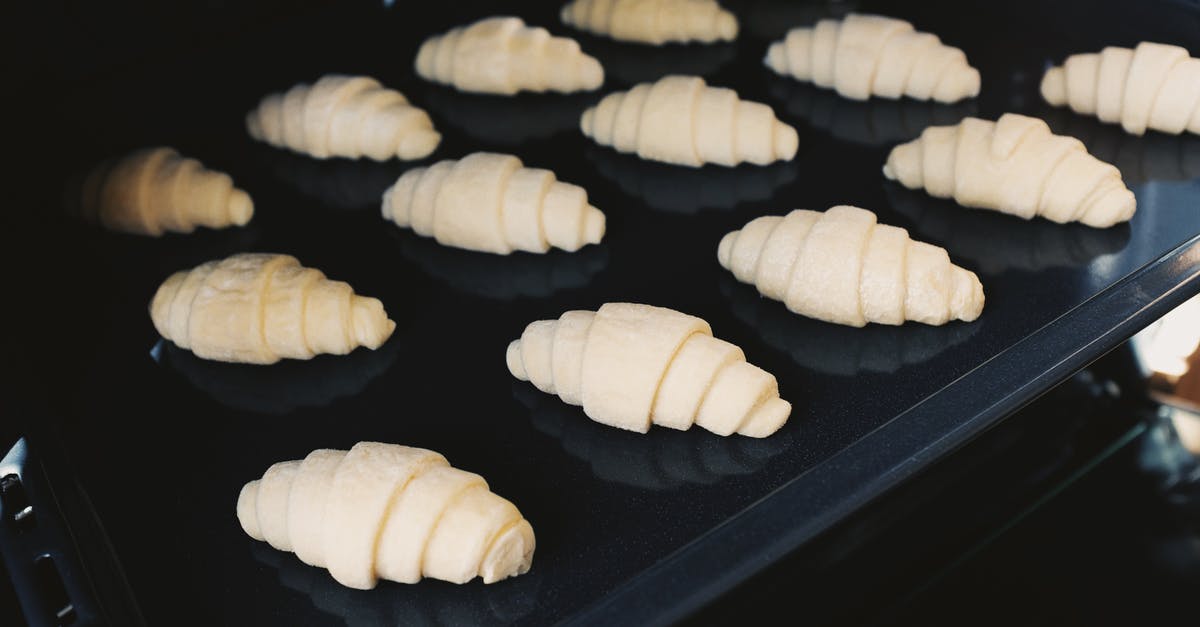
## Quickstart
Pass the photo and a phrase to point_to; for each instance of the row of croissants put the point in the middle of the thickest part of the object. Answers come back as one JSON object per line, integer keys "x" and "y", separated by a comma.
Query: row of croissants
{"x": 677, "y": 119}
{"x": 402, "y": 513}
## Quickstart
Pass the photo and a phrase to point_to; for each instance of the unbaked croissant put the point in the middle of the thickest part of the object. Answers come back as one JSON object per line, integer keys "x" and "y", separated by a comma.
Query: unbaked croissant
{"x": 632, "y": 365}
{"x": 501, "y": 55}
{"x": 1153, "y": 86}
{"x": 681, "y": 120}
{"x": 1014, "y": 165}
{"x": 155, "y": 189}
{"x": 344, "y": 116}
{"x": 258, "y": 308}
{"x": 870, "y": 55}
{"x": 653, "y": 21}
{"x": 842, "y": 266}
{"x": 387, "y": 511}
{"x": 490, "y": 202}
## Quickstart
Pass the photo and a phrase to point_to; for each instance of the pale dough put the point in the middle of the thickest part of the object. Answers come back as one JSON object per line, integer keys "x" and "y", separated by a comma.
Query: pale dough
{"x": 1154, "y": 86}
{"x": 1014, "y": 165}
{"x": 653, "y": 21}
{"x": 870, "y": 55}
{"x": 631, "y": 366}
{"x": 344, "y": 116}
{"x": 259, "y": 308}
{"x": 490, "y": 202}
{"x": 501, "y": 55}
{"x": 155, "y": 189}
{"x": 389, "y": 511}
{"x": 842, "y": 266}
{"x": 681, "y": 120}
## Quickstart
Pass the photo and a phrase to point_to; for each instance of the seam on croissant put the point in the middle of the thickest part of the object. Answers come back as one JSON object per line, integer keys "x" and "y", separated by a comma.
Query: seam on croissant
{"x": 305, "y": 290}
{"x": 262, "y": 307}
{"x": 1045, "y": 182}
{"x": 491, "y": 542}
{"x": 663, "y": 375}
{"x": 695, "y": 111}
{"x": 458, "y": 496}
{"x": 1159, "y": 90}
{"x": 195, "y": 294}
{"x": 876, "y": 59}
{"x": 862, "y": 264}
{"x": 387, "y": 514}
{"x": 499, "y": 210}
{"x": 787, "y": 288}
{"x": 761, "y": 400}
{"x": 758, "y": 259}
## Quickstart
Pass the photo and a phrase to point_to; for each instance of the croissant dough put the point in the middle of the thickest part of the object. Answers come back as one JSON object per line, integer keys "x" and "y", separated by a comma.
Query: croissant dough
{"x": 258, "y": 308}
{"x": 501, "y": 55}
{"x": 842, "y": 266}
{"x": 1014, "y": 165}
{"x": 490, "y": 202}
{"x": 680, "y": 120}
{"x": 1153, "y": 86}
{"x": 344, "y": 116}
{"x": 870, "y": 55}
{"x": 154, "y": 190}
{"x": 632, "y": 365}
{"x": 653, "y": 21}
{"x": 387, "y": 511}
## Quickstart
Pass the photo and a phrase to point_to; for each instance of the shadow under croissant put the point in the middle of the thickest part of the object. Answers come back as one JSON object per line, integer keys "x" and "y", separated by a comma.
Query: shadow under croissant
{"x": 508, "y": 120}
{"x": 504, "y": 277}
{"x": 334, "y": 183}
{"x": 429, "y": 602}
{"x": 630, "y": 63}
{"x": 662, "y": 459}
{"x": 677, "y": 189}
{"x": 1152, "y": 157}
{"x": 835, "y": 349}
{"x": 875, "y": 122}
{"x": 285, "y": 386}
{"x": 772, "y": 19}
{"x": 993, "y": 242}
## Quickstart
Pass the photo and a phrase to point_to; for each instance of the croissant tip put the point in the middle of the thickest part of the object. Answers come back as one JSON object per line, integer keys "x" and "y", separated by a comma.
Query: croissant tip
{"x": 585, "y": 121}
{"x": 247, "y": 510}
{"x": 725, "y": 248}
{"x": 767, "y": 419}
{"x": 787, "y": 141}
{"x": 1053, "y": 87}
{"x": 513, "y": 358}
{"x": 591, "y": 73}
{"x": 418, "y": 144}
{"x": 241, "y": 207}
{"x": 727, "y": 26}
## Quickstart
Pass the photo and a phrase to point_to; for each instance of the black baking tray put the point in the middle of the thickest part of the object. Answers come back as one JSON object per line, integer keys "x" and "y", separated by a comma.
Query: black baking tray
{"x": 632, "y": 529}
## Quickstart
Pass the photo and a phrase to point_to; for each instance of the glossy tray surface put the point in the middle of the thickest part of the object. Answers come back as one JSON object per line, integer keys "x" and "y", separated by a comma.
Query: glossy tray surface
{"x": 630, "y": 527}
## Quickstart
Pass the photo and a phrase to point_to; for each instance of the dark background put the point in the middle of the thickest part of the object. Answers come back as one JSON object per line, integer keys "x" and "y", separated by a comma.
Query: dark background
{"x": 162, "y": 442}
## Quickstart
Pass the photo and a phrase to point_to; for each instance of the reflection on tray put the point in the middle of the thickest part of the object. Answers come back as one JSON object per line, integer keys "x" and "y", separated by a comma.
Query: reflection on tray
{"x": 283, "y": 387}
{"x": 835, "y": 349}
{"x": 993, "y": 242}
{"x": 1152, "y": 157}
{"x": 427, "y": 603}
{"x": 508, "y": 120}
{"x": 334, "y": 183}
{"x": 875, "y": 122}
{"x": 508, "y": 277}
{"x": 771, "y": 19}
{"x": 646, "y": 461}
{"x": 688, "y": 190}
{"x": 637, "y": 63}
